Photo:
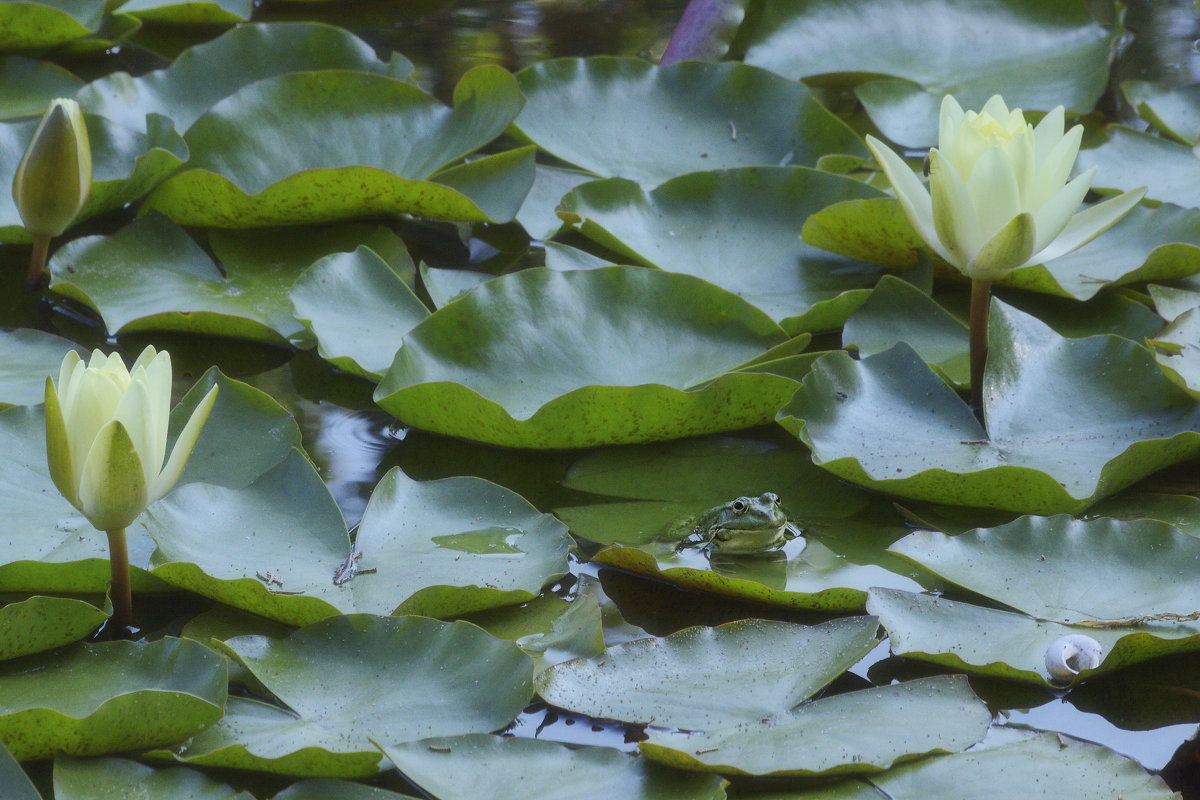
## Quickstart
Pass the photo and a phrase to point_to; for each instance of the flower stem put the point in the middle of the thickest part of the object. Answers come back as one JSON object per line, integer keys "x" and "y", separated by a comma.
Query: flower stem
{"x": 981, "y": 295}
{"x": 37, "y": 262}
{"x": 120, "y": 593}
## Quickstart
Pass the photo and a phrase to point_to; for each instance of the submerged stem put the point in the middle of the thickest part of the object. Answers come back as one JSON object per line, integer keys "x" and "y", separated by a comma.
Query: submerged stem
{"x": 121, "y": 594}
{"x": 981, "y": 295}
{"x": 37, "y": 261}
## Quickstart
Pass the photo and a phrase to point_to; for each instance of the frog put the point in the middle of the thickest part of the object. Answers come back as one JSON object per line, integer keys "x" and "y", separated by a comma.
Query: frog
{"x": 741, "y": 526}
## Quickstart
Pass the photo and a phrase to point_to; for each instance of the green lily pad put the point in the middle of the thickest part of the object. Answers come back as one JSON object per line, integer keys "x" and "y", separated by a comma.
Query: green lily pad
{"x": 1130, "y": 158}
{"x": 550, "y": 629}
{"x": 204, "y": 74}
{"x": 334, "y": 789}
{"x": 30, "y": 356}
{"x": 1172, "y": 301}
{"x": 189, "y": 12}
{"x": 889, "y": 423}
{"x": 737, "y": 229}
{"x": 710, "y": 678}
{"x": 905, "y": 56}
{"x": 262, "y": 157}
{"x": 453, "y": 546}
{"x": 1008, "y": 645}
{"x": 1173, "y": 110}
{"x": 624, "y": 117}
{"x": 103, "y": 698}
{"x": 897, "y": 311}
{"x": 829, "y": 737}
{"x": 1183, "y": 366}
{"x": 126, "y": 165}
{"x": 283, "y": 538}
{"x": 468, "y": 767}
{"x": 1177, "y": 510}
{"x": 641, "y": 358}
{"x": 27, "y": 86}
{"x": 1010, "y": 764}
{"x": 176, "y": 286}
{"x": 1133, "y": 569}
{"x": 43, "y": 623}
{"x": 16, "y": 782}
{"x": 446, "y": 285}
{"x": 88, "y": 779}
{"x": 358, "y": 308}
{"x": 347, "y": 678}
{"x": 28, "y": 26}
{"x": 537, "y": 215}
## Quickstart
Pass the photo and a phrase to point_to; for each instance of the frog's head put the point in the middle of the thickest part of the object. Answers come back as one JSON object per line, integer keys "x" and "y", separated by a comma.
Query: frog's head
{"x": 750, "y": 514}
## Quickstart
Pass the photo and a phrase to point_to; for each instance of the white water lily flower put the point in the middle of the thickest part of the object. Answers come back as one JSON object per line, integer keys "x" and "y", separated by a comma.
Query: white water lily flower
{"x": 106, "y": 434}
{"x": 54, "y": 178}
{"x": 999, "y": 198}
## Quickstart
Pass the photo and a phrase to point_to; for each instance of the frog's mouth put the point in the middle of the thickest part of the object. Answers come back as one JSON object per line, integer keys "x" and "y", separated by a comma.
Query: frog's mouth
{"x": 749, "y": 529}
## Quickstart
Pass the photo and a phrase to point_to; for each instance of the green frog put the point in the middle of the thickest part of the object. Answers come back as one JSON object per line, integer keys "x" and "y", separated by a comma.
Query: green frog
{"x": 744, "y": 525}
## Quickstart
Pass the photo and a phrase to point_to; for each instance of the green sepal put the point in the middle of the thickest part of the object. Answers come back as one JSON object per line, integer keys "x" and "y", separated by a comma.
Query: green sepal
{"x": 58, "y": 451}
{"x": 113, "y": 487}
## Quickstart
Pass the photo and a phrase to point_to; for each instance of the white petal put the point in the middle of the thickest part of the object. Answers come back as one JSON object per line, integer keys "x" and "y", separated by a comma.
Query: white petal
{"x": 1048, "y": 132}
{"x": 183, "y": 447}
{"x": 994, "y": 192}
{"x": 953, "y": 213}
{"x": 1088, "y": 224}
{"x": 1056, "y": 167}
{"x": 1055, "y": 213}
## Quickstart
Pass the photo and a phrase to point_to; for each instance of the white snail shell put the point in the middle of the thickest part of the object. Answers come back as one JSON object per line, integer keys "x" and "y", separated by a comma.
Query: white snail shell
{"x": 1067, "y": 656}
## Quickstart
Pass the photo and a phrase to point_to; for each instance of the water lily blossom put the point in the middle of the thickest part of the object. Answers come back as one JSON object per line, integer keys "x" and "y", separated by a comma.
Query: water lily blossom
{"x": 54, "y": 178}
{"x": 106, "y": 434}
{"x": 106, "y": 443}
{"x": 999, "y": 197}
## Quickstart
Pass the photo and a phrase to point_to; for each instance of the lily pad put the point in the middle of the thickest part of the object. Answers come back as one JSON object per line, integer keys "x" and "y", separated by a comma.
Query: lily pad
{"x": 334, "y": 789}
{"x": 624, "y": 117}
{"x": 30, "y": 356}
{"x": 28, "y": 26}
{"x": 1009, "y": 645}
{"x": 888, "y": 423}
{"x": 204, "y": 74}
{"x": 1172, "y": 301}
{"x": 27, "y": 86}
{"x": 446, "y": 285}
{"x": 88, "y": 779}
{"x": 176, "y": 286}
{"x": 261, "y": 156}
{"x": 43, "y": 623}
{"x": 1183, "y": 366}
{"x": 188, "y": 12}
{"x": 347, "y": 678}
{"x": 358, "y": 308}
{"x": 1173, "y": 110}
{"x": 550, "y": 629}
{"x": 537, "y": 215}
{"x": 468, "y": 767}
{"x": 453, "y": 546}
{"x": 103, "y": 698}
{"x": 904, "y": 56}
{"x": 16, "y": 782}
{"x": 710, "y": 678}
{"x": 1130, "y": 158}
{"x": 737, "y": 229}
{"x": 642, "y": 357}
{"x": 897, "y": 311}
{"x": 1009, "y": 764}
{"x": 828, "y": 737}
{"x": 126, "y": 165}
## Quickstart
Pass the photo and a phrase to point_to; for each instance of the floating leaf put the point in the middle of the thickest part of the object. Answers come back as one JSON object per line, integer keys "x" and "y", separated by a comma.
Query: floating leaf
{"x": 30, "y": 85}
{"x": 30, "y": 356}
{"x": 548, "y": 628}
{"x": 828, "y": 736}
{"x": 641, "y": 358}
{"x": 1182, "y": 367}
{"x": 737, "y": 229}
{"x": 358, "y": 308}
{"x": 624, "y": 117}
{"x": 468, "y": 767}
{"x": 261, "y": 156}
{"x": 446, "y": 285}
{"x": 88, "y": 779}
{"x": 889, "y": 423}
{"x": 27, "y": 26}
{"x": 1173, "y": 110}
{"x": 453, "y": 546}
{"x": 43, "y": 623}
{"x": 1170, "y": 171}
{"x": 104, "y": 698}
{"x": 408, "y": 678}
{"x": 186, "y": 12}
{"x": 330, "y": 788}
{"x": 905, "y": 56}
{"x": 16, "y": 783}
{"x": 537, "y": 215}
{"x": 710, "y": 678}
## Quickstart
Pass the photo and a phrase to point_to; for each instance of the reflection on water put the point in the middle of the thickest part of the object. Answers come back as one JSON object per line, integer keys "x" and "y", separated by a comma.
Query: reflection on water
{"x": 488, "y": 541}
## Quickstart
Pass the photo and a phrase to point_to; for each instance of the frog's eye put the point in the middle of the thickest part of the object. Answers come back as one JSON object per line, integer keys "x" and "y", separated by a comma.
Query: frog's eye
{"x": 739, "y": 505}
